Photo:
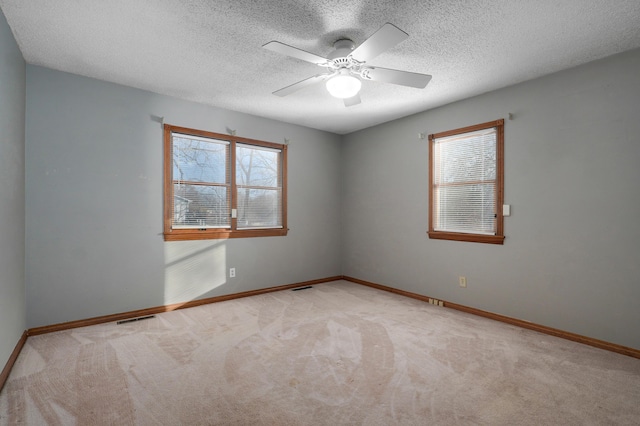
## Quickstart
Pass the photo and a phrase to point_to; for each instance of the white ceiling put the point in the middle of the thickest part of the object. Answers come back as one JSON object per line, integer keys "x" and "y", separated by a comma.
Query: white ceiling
{"x": 209, "y": 51}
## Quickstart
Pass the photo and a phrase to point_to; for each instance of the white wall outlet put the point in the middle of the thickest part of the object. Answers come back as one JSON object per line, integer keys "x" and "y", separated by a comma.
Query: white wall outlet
{"x": 462, "y": 281}
{"x": 232, "y": 272}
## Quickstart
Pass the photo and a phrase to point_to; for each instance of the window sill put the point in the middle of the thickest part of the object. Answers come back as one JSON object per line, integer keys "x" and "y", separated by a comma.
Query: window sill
{"x": 473, "y": 238}
{"x": 182, "y": 235}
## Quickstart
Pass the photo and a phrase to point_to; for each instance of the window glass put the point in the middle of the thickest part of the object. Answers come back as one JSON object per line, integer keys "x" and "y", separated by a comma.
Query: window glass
{"x": 259, "y": 187}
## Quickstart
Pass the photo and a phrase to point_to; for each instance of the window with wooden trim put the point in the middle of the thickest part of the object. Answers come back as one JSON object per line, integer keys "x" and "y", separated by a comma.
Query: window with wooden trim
{"x": 221, "y": 186}
{"x": 466, "y": 183}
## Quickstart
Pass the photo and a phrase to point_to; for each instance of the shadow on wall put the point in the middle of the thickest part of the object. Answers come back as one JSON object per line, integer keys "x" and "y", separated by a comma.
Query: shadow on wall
{"x": 193, "y": 268}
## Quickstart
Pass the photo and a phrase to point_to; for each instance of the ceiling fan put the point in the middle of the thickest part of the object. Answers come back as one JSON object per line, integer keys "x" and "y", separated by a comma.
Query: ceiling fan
{"x": 347, "y": 65}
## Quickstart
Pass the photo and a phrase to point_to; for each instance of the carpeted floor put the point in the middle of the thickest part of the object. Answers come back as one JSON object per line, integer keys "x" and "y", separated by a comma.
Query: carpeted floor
{"x": 336, "y": 354}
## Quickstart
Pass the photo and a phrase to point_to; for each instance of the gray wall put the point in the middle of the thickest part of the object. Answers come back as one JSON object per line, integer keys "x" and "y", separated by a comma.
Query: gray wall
{"x": 94, "y": 204}
{"x": 571, "y": 258}
{"x": 12, "y": 221}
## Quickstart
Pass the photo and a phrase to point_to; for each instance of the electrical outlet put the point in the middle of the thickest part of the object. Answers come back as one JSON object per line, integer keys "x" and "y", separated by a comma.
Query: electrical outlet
{"x": 462, "y": 281}
{"x": 232, "y": 273}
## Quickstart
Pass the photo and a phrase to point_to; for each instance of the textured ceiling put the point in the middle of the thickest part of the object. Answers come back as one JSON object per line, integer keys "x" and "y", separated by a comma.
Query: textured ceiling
{"x": 210, "y": 51}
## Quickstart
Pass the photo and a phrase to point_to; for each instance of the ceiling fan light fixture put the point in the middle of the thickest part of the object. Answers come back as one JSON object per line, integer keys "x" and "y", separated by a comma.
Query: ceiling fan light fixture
{"x": 344, "y": 85}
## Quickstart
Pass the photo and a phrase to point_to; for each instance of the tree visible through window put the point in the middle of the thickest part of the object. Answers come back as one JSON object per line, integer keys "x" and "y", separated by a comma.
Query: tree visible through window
{"x": 466, "y": 183}
{"x": 220, "y": 186}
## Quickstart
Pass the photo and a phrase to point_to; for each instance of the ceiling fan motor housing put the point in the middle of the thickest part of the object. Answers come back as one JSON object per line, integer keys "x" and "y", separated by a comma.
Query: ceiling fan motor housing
{"x": 339, "y": 58}
{"x": 343, "y": 48}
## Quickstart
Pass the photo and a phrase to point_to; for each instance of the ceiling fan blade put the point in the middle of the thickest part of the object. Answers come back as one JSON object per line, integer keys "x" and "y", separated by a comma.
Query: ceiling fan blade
{"x": 354, "y": 100}
{"x": 294, "y": 52}
{"x": 403, "y": 78}
{"x": 301, "y": 84}
{"x": 385, "y": 38}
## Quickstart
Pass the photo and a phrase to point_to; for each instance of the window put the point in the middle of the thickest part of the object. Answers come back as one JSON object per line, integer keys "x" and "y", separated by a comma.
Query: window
{"x": 220, "y": 186}
{"x": 466, "y": 182}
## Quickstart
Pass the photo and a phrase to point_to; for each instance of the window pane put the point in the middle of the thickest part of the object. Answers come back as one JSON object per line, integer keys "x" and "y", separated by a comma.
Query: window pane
{"x": 259, "y": 208}
{"x": 465, "y": 208}
{"x": 467, "y": 158}
{"x": 199, "y": 159}
{"x": 257, "y": 166}
{"x": 259, "y": 184}
{"x": 200, "y": 206}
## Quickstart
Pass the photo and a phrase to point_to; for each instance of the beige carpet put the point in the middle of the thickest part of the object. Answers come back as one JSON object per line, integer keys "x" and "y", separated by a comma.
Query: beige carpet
{"x": 336, "y": 354}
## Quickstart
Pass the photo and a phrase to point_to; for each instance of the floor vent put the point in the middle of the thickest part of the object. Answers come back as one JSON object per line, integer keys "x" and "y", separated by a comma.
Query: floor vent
{"x": 302, "y": 288}
{"x": 135, "y": 319}
{"x": 436, "y": 302}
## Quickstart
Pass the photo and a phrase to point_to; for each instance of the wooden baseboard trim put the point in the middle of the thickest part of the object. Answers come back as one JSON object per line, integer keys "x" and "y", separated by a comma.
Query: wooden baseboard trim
{"x": 12, "y": 359}
{"x": 601, "y": 344}
{"x": 166, "y": 308}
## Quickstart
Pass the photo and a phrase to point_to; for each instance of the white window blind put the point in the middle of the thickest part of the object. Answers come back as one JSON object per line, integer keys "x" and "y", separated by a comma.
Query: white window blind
{"x": 201, "y": 182}
{"x": 465, "y": 182}
{"x": 259, "y": 184}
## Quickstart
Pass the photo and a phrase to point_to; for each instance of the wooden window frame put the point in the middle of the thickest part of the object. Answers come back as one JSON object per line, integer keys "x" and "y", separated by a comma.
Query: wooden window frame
{"x": 177, "y": 234}
{"x": 498, "y": 238}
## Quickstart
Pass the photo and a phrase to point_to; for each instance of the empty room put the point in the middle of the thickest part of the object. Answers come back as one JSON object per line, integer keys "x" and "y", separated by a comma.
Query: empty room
{"x": 320, "y": 212}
